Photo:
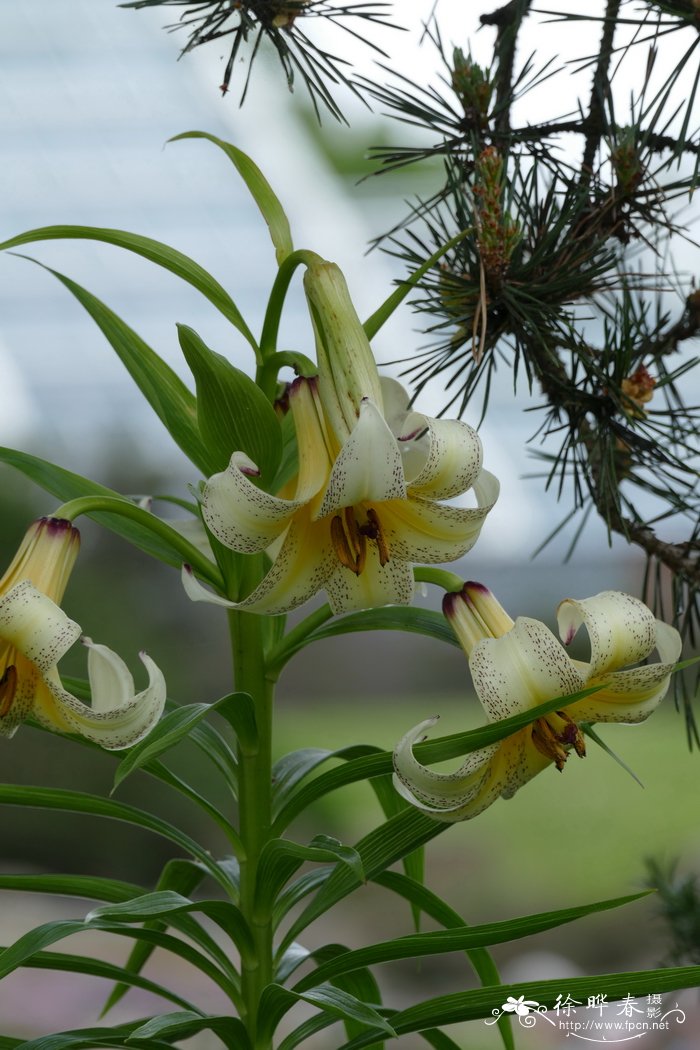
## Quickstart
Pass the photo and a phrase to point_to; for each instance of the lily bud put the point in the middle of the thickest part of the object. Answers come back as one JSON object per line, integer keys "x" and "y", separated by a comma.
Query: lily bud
{"x": 45, "y": 557}
{"x": 347, "y": 369}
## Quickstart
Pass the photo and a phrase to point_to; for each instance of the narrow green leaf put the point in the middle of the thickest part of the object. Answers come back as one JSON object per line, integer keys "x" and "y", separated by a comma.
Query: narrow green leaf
{"x": 481, "y": 1002}
{"x": 67, "y": 963}
{"x": 381, "y": 848}
{"x": 35, "y": 941}
{"x": 86, "y": 887}
{"x": 172, "y": 728}
{"x": 239, "y": 712}
{"x": 90, "y": 1039}
{"x": 79, "y": 802}
{"x": 390, "y": 618}
{"x": 169, "y": 258}
{"x": 392, "y": 803}
{"x": 161, "y": 903}
{"x": 382, "y": 314}
{"x": 181, "y": 876}
{"x": 270, "y": 207}
{"x": 458, "y": 939}
{"x": 184, "y": 1024}
{"x": 65, "y": 486}
{"x": 280, "y": 858}
{"x": 298, "y": 890}
{"x": 275, "y": 1001}
{"x": 480, "y": 958}
{"x": 233, "y": 414}
{"x": 291, "y": 769}
{"x": 165, "y": 392}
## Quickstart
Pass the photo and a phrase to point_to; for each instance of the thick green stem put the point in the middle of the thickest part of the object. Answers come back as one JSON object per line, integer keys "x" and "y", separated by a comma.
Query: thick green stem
{"x": 255, "y": 806}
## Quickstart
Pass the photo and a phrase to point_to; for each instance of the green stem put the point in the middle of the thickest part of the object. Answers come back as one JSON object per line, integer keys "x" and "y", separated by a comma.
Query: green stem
{"x": 273, "y": 314}
{"x": 114, "y": 505}
{"x": 255, "y": 805}
{"x": 296, "y": 639}
{"x": 449, "y": 581}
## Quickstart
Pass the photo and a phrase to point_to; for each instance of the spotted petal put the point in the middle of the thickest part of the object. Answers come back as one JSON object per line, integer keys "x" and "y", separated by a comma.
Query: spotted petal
{"x": 453, "y": 460}
{"x": 445, "y": 796}
{"x": 368, "y": 466}
{"x": 119, "y": 717}
{"x": 522, "y": 669}
{"x": 240, "y": 515}
{"x": 35, "y": 625}
{"x": 421, "y": 530}
{"x": 376, "y": 585}
{"x": 622, "y": 630}
{"x": 632, "y": 695}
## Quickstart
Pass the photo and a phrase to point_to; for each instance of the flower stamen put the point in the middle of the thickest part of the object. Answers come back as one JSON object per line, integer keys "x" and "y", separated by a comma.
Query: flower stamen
{"x": 349, "y": 539}
{"x": 8, "y": 688}
{"x": 554, "y": 744}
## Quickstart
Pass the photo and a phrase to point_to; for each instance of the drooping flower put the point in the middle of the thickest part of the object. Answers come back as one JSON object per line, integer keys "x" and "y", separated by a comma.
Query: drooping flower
{"x": 360, "y": 516}
{"x": 516, "y": 666}
{"x": 369, "y": 495}
{"x": 35, "y": 633}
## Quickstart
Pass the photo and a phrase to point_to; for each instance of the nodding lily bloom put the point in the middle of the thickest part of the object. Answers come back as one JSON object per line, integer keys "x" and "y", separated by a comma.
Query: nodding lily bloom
{"x": 362, "y": 511}
{"x": 367, "y": 501}
{"x": 516, "y": 666}
{"x": 35, "y": 633}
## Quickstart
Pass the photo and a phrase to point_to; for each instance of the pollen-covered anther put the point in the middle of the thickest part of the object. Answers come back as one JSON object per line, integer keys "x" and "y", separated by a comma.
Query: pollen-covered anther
{"x": 8, "y": 688}
{"x": 374, "y": 531}
{"x": 349, "y": 542}
{"x": 555, "y": 743}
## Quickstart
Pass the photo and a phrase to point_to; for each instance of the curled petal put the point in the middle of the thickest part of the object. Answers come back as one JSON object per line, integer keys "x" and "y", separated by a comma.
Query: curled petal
{"x": 445, "y": 796}
{"x": 423, "y": 531}
{"x": 376, "y": 585}
{"x": 113, "y": 723}
{"x": 453, "y": 461}
{"x": 35, "y": 625}
{"x": 197, "y": 592}
{"x": 522, "y": 669}
{"x": 622, "y": 630}
{"x": 240, "y": 515}
{"x": 632, "y": 695}
{"x": 368, "y": 466}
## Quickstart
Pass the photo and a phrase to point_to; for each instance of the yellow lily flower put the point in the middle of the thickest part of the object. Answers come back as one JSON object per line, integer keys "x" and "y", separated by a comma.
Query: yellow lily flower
{"x": 367, "y": 501}
{"x": 359, "y": 516}
{"x": 35, "y": 633}
{"x": 516, "y": 666}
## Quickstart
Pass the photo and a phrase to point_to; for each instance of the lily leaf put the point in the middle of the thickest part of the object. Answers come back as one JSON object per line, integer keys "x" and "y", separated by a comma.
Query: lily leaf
{"x": 172, "y": 728}
{"x": 280, "y": 858}
{"x": 481, "y": 1002}
{"x": 275, "y": 1001}
{"x": 232, "y": 412}
{"x": 184, "y": 1024}
{"x": 65, "y": 486}
{"x": 382, "y": 314}
{"x": 161, "y": 903}
{"x": 181, "y": 876}
{"x": 441, "y": 942}
{"x": 80, "y": 802}
{"x": 263, "y": 195}
{"x": 169, "y": 258}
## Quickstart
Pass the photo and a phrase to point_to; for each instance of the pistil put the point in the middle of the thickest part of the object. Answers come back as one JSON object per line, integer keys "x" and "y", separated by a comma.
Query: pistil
{"x": 349, "y": 539}
{"x": 555, "y": 744}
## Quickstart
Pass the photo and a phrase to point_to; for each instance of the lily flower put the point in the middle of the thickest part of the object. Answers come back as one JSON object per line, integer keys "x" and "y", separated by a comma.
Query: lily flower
{"x": 373, "y": 476}
{"x": 360, "y": 515}
{"x": 516, "y": 666}
{"x": 35, "y": 633}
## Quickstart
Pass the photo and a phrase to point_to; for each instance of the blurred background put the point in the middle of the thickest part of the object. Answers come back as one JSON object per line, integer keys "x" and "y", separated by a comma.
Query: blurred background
{"x": 90, "y": 96}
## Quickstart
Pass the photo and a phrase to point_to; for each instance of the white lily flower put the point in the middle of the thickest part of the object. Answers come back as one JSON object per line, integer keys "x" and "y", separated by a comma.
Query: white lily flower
{"x": 363, "y": 510}
{"x": 35, "y": 633}
{"x": 516, "y": 666}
